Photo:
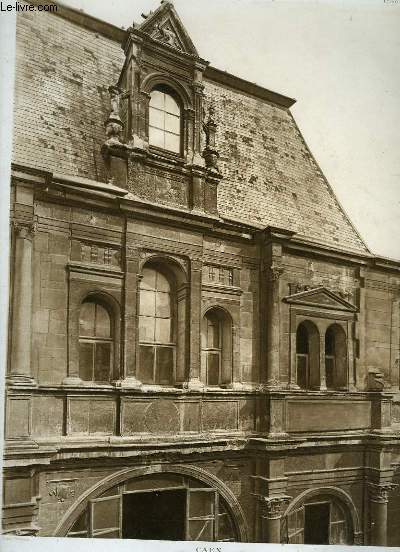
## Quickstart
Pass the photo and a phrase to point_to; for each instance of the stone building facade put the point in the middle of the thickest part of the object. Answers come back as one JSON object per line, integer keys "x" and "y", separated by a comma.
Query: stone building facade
{"x": 201, "y": 346}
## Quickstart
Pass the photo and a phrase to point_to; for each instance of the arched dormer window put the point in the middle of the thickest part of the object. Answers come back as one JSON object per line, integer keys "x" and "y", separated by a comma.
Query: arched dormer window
{"x": 336, "y": 357}
{"x": 307, "y": 356}
{"x": 216, "y": 348}
{"x": 156, "y": 328}
{"x": 96, "y": 342}
{"x": 165, "y": 125}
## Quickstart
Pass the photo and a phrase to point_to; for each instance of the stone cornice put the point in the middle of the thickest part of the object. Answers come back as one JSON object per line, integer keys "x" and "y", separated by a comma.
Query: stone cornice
{"x": 125, "y": 202}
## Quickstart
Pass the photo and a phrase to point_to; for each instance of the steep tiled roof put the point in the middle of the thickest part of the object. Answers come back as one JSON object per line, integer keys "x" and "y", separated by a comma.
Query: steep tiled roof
{"x": 270, "y": 178}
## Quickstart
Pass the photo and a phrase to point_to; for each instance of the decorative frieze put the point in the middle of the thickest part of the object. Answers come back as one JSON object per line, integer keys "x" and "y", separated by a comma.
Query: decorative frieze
{"x": 218, "y": 275}
{"x": 98, "y": 254}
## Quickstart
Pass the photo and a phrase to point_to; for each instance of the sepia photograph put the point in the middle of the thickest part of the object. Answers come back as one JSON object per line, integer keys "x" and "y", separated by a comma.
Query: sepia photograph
{"x": 200, "y": 294}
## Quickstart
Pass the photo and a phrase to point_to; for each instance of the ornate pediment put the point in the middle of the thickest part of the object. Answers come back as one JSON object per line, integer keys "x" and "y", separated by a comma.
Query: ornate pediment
{"x": 165, "y": 26}
{"x": 322, "y": 298}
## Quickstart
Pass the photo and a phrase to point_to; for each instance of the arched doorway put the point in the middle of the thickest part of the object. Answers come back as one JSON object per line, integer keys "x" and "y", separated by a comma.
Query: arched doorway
{"x": 321, "y": 516}
{"x": 157, "y": 505}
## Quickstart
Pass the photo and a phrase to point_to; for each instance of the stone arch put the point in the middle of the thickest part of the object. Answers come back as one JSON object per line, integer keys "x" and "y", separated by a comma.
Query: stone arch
{"x": 335, "y": 492}
{"x": 155, "y": 79}
{"x": 178, "y": 267}
{"x": 126, "y": 474}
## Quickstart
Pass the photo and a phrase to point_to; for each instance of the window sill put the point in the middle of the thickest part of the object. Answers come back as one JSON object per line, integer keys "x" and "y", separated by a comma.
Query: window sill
{"x": 170, "y": 156}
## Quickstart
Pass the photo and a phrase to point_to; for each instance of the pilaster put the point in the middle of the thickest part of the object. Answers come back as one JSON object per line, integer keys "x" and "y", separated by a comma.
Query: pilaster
{"x": 20, "y": 362}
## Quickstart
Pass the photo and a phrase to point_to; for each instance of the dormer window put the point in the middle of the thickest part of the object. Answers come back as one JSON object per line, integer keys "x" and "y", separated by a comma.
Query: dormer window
{"x": 165, "y": 120}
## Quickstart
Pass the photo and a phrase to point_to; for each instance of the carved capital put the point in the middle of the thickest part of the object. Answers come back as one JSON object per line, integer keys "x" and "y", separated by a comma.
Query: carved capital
{"x": 196, "y": 265}
{"x": 274, "y": 272}
{"x": 24, "y": 230}
{"x": 380, "y": 492}
{"x": 273, "y": 507}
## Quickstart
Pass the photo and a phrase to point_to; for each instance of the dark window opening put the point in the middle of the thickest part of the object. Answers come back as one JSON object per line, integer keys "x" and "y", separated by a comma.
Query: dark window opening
{"x": 316, "y": 523}
{"x": 156, "y": 515}
{"x": 336, "y": 357}
{"x": 307, "y": 356}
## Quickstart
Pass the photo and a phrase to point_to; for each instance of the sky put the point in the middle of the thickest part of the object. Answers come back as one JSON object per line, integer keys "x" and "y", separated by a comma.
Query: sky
{"x": 339, "y": 59}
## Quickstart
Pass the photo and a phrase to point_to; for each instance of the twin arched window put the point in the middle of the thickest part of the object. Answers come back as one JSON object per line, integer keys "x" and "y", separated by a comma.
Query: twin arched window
{"x": 165, "y": 120}
{"x": 308, "y": 356}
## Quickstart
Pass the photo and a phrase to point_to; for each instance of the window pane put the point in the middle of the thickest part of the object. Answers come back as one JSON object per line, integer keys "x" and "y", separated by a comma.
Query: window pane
{"x": 163, "y": 305}
{"x": 157, "y": 99}
{"x": 165, "y": 365}
{"x": 156, "y": 137}
{"x": 86, "y": 319}
{"x": 170, "y": 105}
{"x": 213, "y": 369}
{"x": 172, "y": 142}
{"x": 226, "y": 530}
{"x": 163, "y": 330}
{"x": 103, "y": 325}
{"x": 213, "y": 334}
{"x": 147, "y": 303}
{"x": 156, "y": 118}
{"x": 146, "y": 364}
{"x": 86, "y": 361}
{"x": 146, "y": 328}
{"x": 172, "y": 123}
{"x": 149, "y": 279}
{"x": 103, "y": 362}
{"x": 201, "y": 503}
{"x": 200, "y": 530}
{"x": 162, "y": 283}
{"x": 106, "y": 514}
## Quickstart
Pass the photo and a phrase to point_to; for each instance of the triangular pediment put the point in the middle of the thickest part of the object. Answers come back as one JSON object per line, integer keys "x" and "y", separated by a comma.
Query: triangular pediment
{"x": 322, "y": 298}
{"x": 165, "y": 26}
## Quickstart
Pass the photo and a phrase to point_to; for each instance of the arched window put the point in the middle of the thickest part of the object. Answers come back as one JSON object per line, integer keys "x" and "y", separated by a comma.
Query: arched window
{"x": 335, "y": 357}
{"x": 307, "y": 356}
{"x": 156, "y": 328}
{"x": 95, "y": 342}
{"x": 319, "y": 520}
{"x": 216, "y": 346}
{"x": 164, "y": 120}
